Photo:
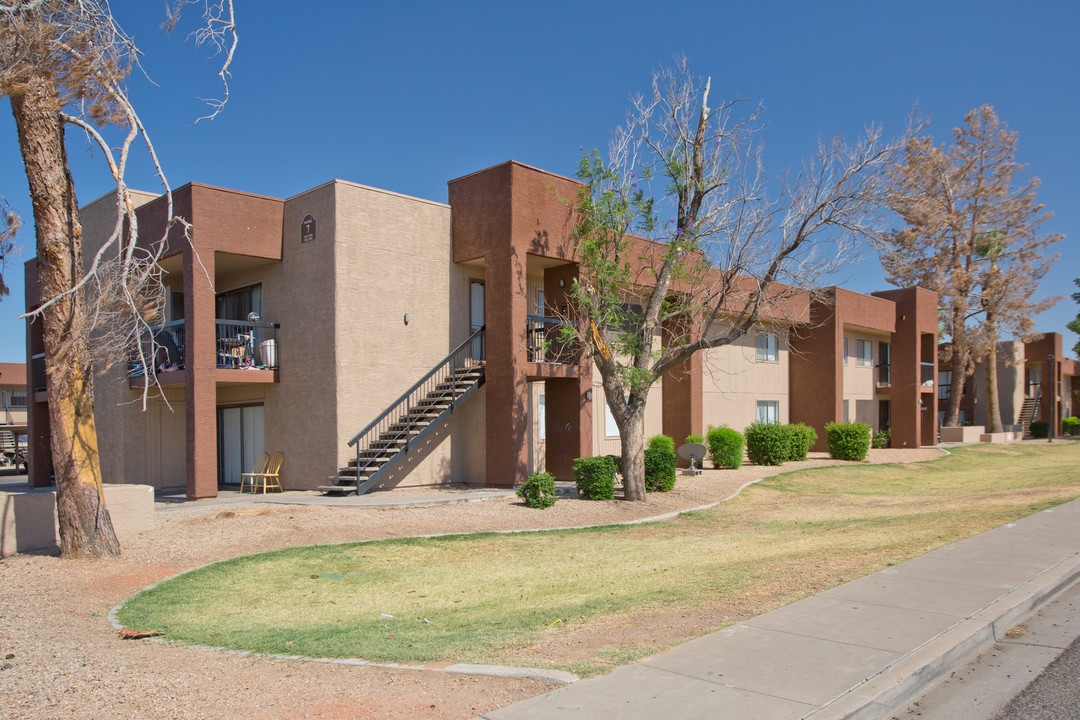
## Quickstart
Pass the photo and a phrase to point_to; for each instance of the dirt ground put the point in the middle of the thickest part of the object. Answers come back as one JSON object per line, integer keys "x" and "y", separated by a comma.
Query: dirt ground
{"x": 59, "y": 657}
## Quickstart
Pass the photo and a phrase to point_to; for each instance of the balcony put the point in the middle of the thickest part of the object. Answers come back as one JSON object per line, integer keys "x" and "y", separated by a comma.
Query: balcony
{"x": 240, "y": 346}
{"x": 926, "y": 376}
{"x": 546, "y": 344}
{"x": 884, "y": 376}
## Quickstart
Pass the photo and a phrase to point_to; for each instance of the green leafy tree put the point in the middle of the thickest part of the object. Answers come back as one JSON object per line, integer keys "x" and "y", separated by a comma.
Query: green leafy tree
{"x": 680, "y": 249}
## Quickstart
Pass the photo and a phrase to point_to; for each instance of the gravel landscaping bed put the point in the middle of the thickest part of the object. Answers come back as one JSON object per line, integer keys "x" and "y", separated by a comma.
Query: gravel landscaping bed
{"x": 59, "y": 657}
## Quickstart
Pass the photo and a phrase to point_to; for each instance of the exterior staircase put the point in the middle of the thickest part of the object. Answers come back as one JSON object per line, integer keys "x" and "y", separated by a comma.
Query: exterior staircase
{"x": 1027, "y": 413}
{"x": 399, "y": 429}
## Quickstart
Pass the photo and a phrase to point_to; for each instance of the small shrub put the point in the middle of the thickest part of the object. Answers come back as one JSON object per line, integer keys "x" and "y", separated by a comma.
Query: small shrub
{"x": 767, "y": 444}
{"x": 1040, "y": 429}
{"x": 661, "y": 442}
{"x": 1070, "y": 426}
{"x": 726, "y": 446}
{"x": 659, "y": 470}
{"x": 595, "y": 477}
{"x": 539, "y": 490}
{"x": 800, "y": 438}
{"x": 881, "y": 440}
{"x": 848, "y": 441}
{"x": 695, "y": 439}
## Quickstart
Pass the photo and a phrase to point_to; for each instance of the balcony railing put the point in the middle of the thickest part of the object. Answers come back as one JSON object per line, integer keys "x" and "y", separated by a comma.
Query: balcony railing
{"x": 884, "y": 375}
{"x": 239, "y": 344}
{"x": 546, "y": 344}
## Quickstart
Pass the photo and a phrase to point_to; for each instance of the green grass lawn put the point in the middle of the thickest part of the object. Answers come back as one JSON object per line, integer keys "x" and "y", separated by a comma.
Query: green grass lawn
{"x": 491, "y": 597}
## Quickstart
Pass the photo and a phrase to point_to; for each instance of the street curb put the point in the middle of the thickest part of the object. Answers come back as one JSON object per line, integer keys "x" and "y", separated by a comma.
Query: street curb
{"x": 893, "y": 688}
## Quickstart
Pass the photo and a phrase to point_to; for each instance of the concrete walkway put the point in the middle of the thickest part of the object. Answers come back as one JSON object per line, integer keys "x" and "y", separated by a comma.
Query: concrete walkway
{"x": 862, "y": 650}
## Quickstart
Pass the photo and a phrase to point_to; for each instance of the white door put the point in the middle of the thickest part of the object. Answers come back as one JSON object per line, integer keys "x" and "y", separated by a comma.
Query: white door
{"x": 476, "y": 306}
{"x": 241, "y": 438}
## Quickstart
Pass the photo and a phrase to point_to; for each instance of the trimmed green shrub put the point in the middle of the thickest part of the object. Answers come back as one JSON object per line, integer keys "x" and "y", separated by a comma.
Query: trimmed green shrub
{"x": 881, "y": 440}
{"x": 1040, "y": 429}
{"x": 726, "y": 446}
{"x": 767, "y": 444}
{"x": 1069, "y": 425}
{"x": 848, "y": 441}
{"x": 595, "y": 477}
{"x": 800, "y": 437}
{"x": 659, "y": 470}
{"x": 695, "y": 439}
{"x": 539, "y": 490}
{"x": 661, "y": 442}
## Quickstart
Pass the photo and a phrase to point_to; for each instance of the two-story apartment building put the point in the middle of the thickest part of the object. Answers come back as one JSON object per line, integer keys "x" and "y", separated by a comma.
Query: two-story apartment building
{"x": 12, "y": 409}
{"x": 293, "y": 324}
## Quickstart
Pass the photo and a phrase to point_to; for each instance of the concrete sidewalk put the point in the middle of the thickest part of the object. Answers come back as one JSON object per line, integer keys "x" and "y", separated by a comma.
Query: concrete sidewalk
{"x": 862, "y": 650}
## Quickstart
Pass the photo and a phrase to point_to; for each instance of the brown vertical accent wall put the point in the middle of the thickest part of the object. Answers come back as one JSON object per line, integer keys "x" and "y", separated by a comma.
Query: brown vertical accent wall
{"x": 914, "y": 407}
{"x": 566, "y": 399}
{"x": 816, "y": 370}
{"x": 681, "y": 405}
{"x": 38, "y": 431}
{"x": 200, "y": 391}
{"x": 1036, "y": 351}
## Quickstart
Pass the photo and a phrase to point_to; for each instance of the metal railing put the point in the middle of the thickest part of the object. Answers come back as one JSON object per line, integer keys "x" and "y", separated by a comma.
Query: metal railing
{"x": 242, "y": 344}
{"x": 416, "y": 408}
{"x": 545, "y": 342}
{"x": 884, "y": 374}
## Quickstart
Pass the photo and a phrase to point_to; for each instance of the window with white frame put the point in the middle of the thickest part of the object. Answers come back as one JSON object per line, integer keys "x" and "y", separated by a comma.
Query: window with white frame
{"x": 610, "y": 428}
{"x": 864, "y": 353}
{"x": 768, "y": 347}
{"x": 845, "y": 350}
{"x": 768, "y": 412}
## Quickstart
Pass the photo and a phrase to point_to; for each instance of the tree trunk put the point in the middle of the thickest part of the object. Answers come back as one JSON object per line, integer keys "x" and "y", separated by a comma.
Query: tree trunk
{"x": 961, "y": 357}
{"x": 633, "y": 458}
{"x": 85, "y": 527}
{"x": 993, "y": 404}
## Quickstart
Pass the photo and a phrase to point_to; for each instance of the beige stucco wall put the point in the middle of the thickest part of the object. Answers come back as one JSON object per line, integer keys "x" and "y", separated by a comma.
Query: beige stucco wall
{"x": 734, "y": 380}
{"x": 654, "y": 417}
{"x": 537, "y": 445}
{"x": 392, "y": 257}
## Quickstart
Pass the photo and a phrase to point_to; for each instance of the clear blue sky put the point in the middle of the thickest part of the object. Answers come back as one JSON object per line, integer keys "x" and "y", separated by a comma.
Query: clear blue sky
{"x": 408, "y": 95}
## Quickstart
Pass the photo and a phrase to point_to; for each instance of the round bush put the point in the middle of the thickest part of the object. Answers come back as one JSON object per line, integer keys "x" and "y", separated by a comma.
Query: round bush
{"x": 725, "y": 446}
{"x": 800, "y": 438}
{"x": 1040, "y": 429}
{"x": 661, "y": 442}
{"x": 695, "y": 439}
{"x": 1069, "y": 425}
{"x": 595, "y": 477}
{"x": 539, "y": 490}
{"x": 881, "y": 440}
{"x": 659, "y": 470}
{"x": 848, "y": 441}
{"x": 767, "y": 444}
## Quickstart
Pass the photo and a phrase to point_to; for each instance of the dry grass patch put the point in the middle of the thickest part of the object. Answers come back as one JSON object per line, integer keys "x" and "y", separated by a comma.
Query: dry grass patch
{"x": 587, "y": 600}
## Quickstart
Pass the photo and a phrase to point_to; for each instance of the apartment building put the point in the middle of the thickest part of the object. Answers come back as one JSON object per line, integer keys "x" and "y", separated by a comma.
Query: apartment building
{"x": 392, "y": 341}
{"x": 12, "y": 409}
{"x": 1033, "y": 377}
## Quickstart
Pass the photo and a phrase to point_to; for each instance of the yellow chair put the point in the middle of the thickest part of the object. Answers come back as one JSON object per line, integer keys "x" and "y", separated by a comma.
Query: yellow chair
{"x": 257, "y": 469}
{"x": 269, "y": 478}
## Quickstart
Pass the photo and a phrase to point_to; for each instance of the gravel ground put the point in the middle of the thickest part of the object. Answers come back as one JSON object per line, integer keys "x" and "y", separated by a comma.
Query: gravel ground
{"x": 60, "y": 658}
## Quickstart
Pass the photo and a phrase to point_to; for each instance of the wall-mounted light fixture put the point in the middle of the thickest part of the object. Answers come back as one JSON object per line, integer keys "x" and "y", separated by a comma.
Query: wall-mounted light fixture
{"x": 406, "y": 318}
{"x": 562, "y": 282}
{"x": 588, "y": 394}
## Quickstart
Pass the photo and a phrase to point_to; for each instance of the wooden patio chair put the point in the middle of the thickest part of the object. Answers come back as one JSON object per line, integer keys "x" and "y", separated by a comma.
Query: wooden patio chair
{"x": 258, "y": 468}
{"x": 269, "y": 478}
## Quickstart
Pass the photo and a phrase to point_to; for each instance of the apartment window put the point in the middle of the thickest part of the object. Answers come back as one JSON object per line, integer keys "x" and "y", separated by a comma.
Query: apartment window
{"x": 845, "y": 351}
{"x": 768, "y": 347}
{"x": 864, "y": 353}
{"x": 944, "y": 384}
{"x": 540, "y": 303}
{"x": 768, "y": 412}
{"x": 610, "y": 428}
{"x": 847, "y": 415}
{"x": 541, "y": 418}
{"x": 14, "y": 398}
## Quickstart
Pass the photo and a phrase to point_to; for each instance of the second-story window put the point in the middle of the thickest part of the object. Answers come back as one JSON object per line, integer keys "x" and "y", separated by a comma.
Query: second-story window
{"x": 768, "y": 347}
{"x": 864, "y": 353}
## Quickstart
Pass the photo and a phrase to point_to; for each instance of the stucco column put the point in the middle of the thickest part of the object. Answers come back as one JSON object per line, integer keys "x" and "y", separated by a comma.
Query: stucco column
{"x": 200, "y": 390}
{"x": 506, "y": 379}
{"x": 681, "y": 405}
{"x": 569, "y": 402}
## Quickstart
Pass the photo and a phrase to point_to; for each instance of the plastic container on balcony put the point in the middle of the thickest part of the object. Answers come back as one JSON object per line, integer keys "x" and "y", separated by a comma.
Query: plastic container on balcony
{"x": 268, "y": 354}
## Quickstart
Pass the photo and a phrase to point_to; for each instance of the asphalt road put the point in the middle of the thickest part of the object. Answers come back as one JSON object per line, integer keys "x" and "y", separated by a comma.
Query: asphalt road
{"x": 1031, "y": 674}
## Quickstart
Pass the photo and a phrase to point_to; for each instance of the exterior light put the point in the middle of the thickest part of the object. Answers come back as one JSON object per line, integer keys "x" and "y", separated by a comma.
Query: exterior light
{"x": 406, "y": 318}
{"x": 562, "y": 282}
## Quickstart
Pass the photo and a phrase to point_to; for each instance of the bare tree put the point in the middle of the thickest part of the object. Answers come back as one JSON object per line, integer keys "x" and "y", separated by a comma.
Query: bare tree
{"x": 65, "y": 62}
{"x": 972, "y": 236}
{"x": 9, "y": 226}
{"x": 699, "y": 262}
